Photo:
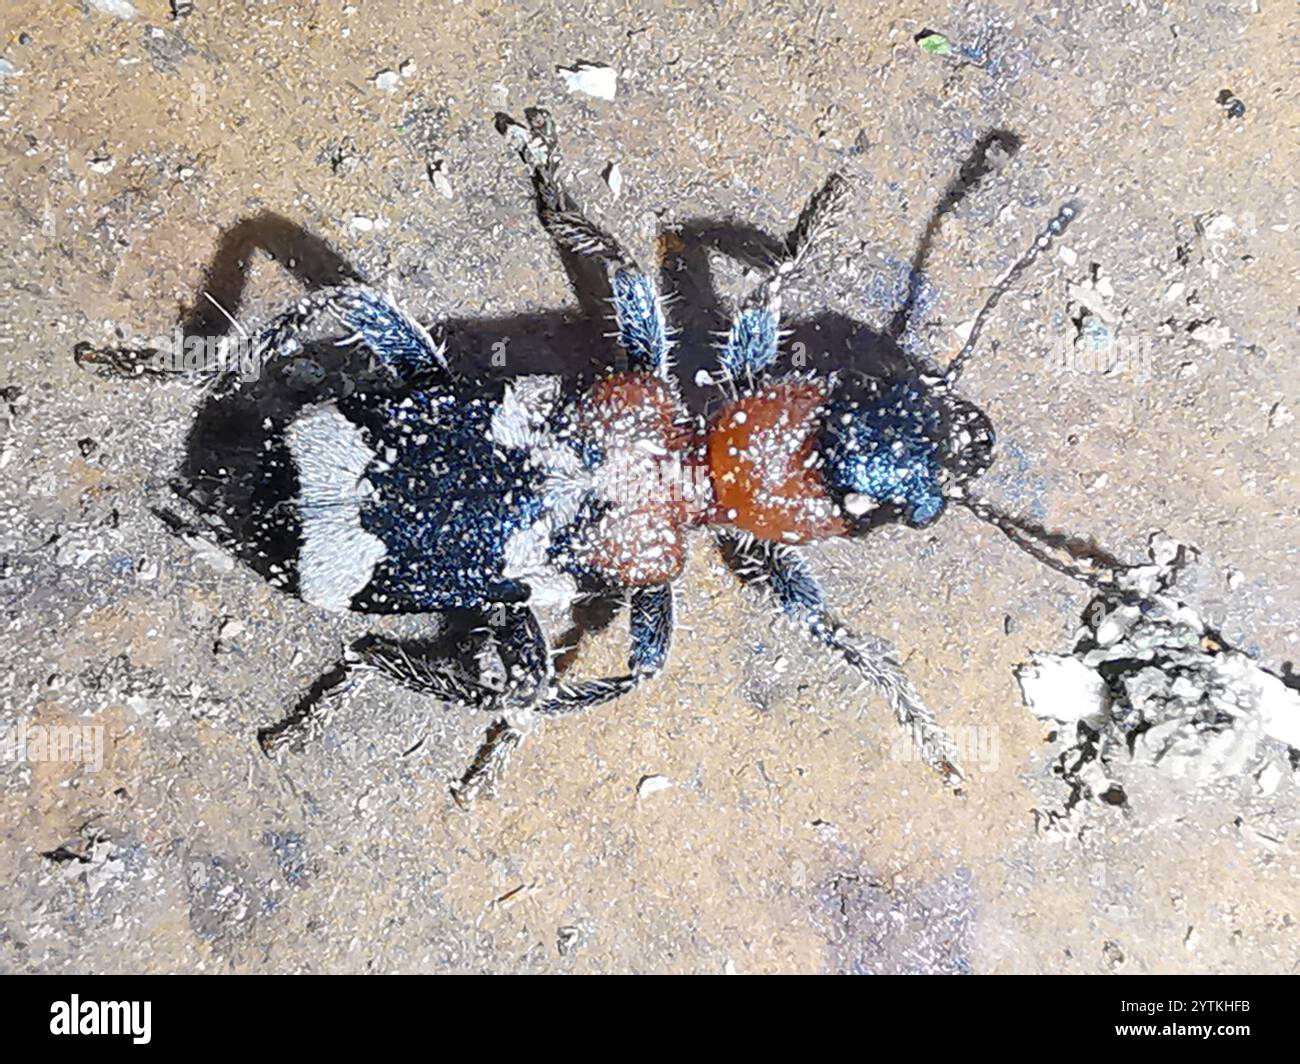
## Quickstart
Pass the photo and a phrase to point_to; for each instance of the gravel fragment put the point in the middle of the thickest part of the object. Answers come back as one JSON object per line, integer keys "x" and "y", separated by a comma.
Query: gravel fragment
{"x": 591, "y": 79}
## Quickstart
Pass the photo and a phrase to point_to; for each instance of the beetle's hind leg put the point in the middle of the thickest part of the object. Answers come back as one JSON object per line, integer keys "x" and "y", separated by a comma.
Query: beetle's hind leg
{"x": 499, "y": 665}
{"x": 417, "y": 665}
{"x": 369, "y": 317}
{"x": 642, "y": 326}
{"x": 306, "y": 719}
{"x": 122, "y": 363}
{"x": 651, "y": 632}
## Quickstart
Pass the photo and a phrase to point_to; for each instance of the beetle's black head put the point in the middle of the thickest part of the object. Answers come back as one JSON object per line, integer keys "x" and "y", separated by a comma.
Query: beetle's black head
{"x": 897, "y": 450}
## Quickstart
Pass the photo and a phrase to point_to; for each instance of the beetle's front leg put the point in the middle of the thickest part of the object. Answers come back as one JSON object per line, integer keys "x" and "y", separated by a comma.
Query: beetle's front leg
{"x": 797, "y": 592}
{"x": 643, "y": 331}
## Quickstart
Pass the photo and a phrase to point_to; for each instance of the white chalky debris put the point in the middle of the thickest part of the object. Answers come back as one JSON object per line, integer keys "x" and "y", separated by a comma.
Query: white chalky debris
{"x": 1172, "y": 698}
{"x": 1215, "y": 226}
{"x": 441, "y": 182}
{"x": 210, "y": 553}
{"x": 1212, "y": 334}
{"x": 614, "y": 179}
{"x": 1092, "y": 299}
{"x": 116, "y": 8}
{"x": 591, "y": 79}
{"x": 101, "y": 164}
{"x": 1267, "y": 779}
{"x": 386, "y": 80}
{"x": 652, "y": 785}
{"x": 1063, "y": 689}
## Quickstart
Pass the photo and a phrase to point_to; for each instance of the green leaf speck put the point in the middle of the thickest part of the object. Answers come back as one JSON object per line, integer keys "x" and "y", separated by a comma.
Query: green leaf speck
{"x": 935, "y": 44}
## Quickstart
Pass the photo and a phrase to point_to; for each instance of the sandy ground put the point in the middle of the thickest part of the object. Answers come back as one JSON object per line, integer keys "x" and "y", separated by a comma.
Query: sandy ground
{"x": 792, "y": 838}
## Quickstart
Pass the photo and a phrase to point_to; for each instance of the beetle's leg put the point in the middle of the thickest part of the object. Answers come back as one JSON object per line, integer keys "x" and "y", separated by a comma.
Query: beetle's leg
{"x": 444, "y": 677}
{"x": 651, "y": 636}
{"x": 504, "y": 663}
{"x": 489, "y": 762}
{"x": 800, "y": 597}
{"x": 396, "y": 339}
{"x": 754, "y": 338}
{"x": 651, "y": 632}
{"x": 306, "y": 719}
{"x": 399, "y": 341}
{"x": 122, "y": 362}
{"x": 642, "y": 326}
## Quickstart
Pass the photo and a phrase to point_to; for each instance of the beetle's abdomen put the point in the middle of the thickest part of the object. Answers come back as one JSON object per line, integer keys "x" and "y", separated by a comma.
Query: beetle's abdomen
{"x": 407, "y": 504}
{"x": 449, "y": 498}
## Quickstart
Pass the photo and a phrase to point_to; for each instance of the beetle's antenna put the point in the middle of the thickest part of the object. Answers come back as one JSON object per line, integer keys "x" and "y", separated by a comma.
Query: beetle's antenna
{"x": 1038, "y": 542}
{"x": 1041, "y": 243}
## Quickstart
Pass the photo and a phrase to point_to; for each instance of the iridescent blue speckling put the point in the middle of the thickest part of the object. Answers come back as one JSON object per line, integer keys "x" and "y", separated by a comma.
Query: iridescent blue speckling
{"x": 446, "y": 499}
{"x": 642, "y": 331}
{"x": 886, "y": 447}
{"x": 751, "y": 345}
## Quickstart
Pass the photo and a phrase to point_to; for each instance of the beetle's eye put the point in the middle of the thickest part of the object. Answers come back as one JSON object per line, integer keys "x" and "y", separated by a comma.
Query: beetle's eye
{"x": 927, "y": 511}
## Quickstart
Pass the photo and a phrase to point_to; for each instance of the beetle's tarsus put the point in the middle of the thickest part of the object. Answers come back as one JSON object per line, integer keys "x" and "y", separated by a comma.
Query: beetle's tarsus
{"x": 489, "y": 763}
{"x": 305, "y": 719}
{"x": 119, "y": 363}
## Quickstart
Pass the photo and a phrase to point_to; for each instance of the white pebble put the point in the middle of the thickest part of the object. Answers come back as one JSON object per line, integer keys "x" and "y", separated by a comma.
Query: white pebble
{"x": 652, "y": 785}
{"x": 614, "y": 179}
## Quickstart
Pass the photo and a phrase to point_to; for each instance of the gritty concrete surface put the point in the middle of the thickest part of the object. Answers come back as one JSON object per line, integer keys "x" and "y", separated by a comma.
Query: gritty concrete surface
{"x": 791, "y": 837}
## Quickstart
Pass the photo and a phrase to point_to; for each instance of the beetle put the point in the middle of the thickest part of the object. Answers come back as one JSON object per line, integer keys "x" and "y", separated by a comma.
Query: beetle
{"x": 424, "y": 490}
